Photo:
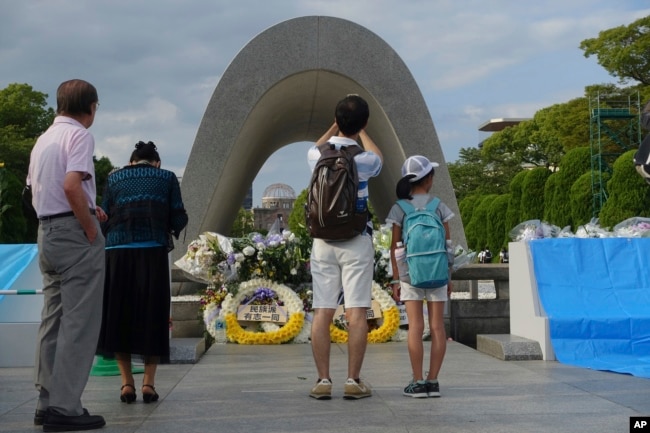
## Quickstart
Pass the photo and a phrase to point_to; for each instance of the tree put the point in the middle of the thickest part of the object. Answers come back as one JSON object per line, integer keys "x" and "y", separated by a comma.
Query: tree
{"x": 23, "y": 117}
{"x": 502, "y": 153}
{"x": 103, "y": 167}
{"x": 561, "y": 127}
{"x": 467, "y": 174}
{"x": 13, "y": 224}
{"x": 476, "y": 231}
{"x": 297, "y": 216}
{"x": 581, "y": 201}
{"x": 513, "y": 214}
{"x": 629, "y": 194}
{"x": 244, "y": 223}
{"x": 467, "y": 206}
{"x": 575, "y": 163}
{"x": 496, "y": 217}
{"x": 623, "y": 51}
{"x": 24, "y": 110}
{"x": 532, "y": 194}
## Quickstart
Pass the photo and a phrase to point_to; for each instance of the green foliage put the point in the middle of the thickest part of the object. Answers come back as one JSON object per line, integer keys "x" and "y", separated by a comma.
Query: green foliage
{"x": 476, "y": 232}
{"x": 13, "y": 225}
{"x": 466, "y": 207}
{"x": 574, "y": 164}
{"x": 502, "y": 152}
{"x": 24, "y": 110}
{"x": 467, "y": 173}
{"x": 103, "y": 167}
{"x": 297, "y": 217}
{"x": 562, "y": 127}
{"x": 623, "y": 51}
{"x": 629, "y": 194}
{"x": 496, "y": 219}
{"x": 581, "y": 201}
{"x": 513, "y": 214}
{"x": 244, "y": 223}
{"x": 550, "y": 191}
{"x": 532, "y": 194}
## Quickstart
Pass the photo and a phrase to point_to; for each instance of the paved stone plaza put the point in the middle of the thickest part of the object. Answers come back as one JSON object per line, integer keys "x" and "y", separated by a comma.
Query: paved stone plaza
{"x": 235, "y": 388}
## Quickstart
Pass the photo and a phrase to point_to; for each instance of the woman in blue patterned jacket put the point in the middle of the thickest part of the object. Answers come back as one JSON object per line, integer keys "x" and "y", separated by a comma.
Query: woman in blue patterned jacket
{"x": 145, "y": 209}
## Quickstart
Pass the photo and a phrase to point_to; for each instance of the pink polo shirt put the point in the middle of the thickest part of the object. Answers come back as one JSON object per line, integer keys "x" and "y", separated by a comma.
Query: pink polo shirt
{"x": 65, "y": 147}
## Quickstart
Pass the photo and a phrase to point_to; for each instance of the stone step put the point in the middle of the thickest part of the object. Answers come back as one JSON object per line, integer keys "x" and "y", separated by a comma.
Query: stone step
{"x": 508, "y": 347}
{"x": 186, "y": 319}
{"x": 186, "y": 350}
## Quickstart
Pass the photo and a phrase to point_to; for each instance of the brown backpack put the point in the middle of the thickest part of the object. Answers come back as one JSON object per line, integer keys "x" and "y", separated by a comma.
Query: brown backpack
{"x": 332, "y": 212}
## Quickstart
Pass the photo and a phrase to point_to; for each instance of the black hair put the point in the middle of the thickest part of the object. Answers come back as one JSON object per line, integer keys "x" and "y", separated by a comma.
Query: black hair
{"x": 351, "y": 114}
{"x": 145, "y": 151}
{"x": 404, "y": 185}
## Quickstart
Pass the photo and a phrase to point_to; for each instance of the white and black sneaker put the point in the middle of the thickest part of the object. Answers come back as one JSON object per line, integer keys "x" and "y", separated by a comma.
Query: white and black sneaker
{"x": 433, "y": 388}
{"x": 416, "y": 389}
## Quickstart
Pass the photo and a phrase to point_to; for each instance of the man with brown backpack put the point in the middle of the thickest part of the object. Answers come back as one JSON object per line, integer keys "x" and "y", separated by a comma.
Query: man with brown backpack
{"x": 342, "y": 253}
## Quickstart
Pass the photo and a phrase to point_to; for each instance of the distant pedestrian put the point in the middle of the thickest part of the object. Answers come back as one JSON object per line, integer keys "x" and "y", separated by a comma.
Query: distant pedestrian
{"x": 503, "y": 255}
{"x": 487, "y": 255}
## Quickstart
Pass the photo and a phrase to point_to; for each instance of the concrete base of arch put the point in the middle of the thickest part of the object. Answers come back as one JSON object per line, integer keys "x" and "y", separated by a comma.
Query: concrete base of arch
{"x": 281, "y": 89}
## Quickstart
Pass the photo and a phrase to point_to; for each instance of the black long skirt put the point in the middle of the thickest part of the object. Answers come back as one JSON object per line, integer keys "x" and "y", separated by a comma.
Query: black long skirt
{"x": 137, "y": 302}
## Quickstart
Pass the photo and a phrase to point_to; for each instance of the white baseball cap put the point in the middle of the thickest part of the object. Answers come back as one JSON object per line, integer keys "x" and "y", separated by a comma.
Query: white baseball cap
{"x": 418, "y": 166}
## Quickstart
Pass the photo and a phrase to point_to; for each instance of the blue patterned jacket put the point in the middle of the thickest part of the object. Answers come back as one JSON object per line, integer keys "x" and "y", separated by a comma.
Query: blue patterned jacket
{"x": 143, "y": 203}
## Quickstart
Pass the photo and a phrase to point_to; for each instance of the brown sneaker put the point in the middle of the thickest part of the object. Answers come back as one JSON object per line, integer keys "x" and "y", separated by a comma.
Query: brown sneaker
{"x": 355, "y": 391}
{"x": 322, "y": 390}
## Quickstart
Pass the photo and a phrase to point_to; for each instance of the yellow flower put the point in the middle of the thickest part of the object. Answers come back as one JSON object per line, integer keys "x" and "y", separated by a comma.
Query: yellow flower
{"x": 273, "y": 334}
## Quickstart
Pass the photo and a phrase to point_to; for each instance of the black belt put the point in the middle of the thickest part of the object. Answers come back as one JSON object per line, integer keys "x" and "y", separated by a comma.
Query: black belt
{"x": 61, "y": 215}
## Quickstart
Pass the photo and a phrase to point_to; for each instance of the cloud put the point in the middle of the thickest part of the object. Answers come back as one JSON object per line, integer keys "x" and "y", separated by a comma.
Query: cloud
{"x": 156, "y": 64}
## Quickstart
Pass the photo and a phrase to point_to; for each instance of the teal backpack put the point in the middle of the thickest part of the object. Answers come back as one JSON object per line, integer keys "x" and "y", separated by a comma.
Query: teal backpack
{"x": 426, "y": 249}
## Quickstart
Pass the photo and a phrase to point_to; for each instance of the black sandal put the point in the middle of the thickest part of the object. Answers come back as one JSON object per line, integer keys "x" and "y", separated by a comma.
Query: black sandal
{"x": 128, "y": 397}
{"x": 149, "y": 397}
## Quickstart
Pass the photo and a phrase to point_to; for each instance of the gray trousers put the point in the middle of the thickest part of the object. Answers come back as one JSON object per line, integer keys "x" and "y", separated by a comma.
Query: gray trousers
{"x": 73, "y": 286}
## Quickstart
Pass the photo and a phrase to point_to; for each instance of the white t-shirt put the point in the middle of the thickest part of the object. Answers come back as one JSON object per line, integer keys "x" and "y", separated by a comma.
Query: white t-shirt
{"x": 396, "y": 214}
{"x": 67, "y": 146}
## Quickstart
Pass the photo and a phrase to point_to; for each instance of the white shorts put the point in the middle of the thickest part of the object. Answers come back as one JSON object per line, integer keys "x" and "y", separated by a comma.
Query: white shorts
{"x": 343, "y": 264}
{"x": 410, "y": 293}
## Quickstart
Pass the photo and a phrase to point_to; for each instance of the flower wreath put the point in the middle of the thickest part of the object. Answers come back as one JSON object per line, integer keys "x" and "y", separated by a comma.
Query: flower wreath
{"x": 387, "y": 329}
{"x": 273, "y": 334}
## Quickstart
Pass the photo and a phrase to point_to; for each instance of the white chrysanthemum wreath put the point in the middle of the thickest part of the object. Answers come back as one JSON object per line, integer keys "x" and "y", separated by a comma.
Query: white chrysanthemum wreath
{"x": 389, "y": 326}
{"x": 273, "y": 334}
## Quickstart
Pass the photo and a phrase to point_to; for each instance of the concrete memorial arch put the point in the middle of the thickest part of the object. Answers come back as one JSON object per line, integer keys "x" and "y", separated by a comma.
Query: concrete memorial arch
{"x": 281, "y": 89}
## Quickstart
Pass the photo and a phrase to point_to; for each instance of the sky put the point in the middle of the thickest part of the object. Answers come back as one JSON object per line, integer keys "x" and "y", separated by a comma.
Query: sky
{"x": 157, "y": 63}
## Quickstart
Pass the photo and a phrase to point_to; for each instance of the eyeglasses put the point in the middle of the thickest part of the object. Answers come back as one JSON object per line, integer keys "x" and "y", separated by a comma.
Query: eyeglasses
{"x": 96, "y": 105}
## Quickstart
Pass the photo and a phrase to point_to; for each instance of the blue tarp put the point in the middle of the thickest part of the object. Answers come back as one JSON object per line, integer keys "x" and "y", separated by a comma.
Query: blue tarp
{"x": 596, "y": 294}
{"x": 13, "y": 261}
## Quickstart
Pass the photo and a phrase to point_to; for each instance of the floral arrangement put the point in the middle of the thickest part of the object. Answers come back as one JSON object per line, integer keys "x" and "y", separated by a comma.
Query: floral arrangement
{"x": 270, "y": 333}
{"x": 215, "y": 259}
{"x": 535, "y": 229}
{"x": 278, "y": 257}
{"x": 274, "y": 269}
{"x": 204, "y": 259}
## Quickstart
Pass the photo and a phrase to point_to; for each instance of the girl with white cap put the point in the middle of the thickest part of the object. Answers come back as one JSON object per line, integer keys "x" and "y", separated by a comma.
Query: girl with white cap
{"x": 415, "y": 185}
